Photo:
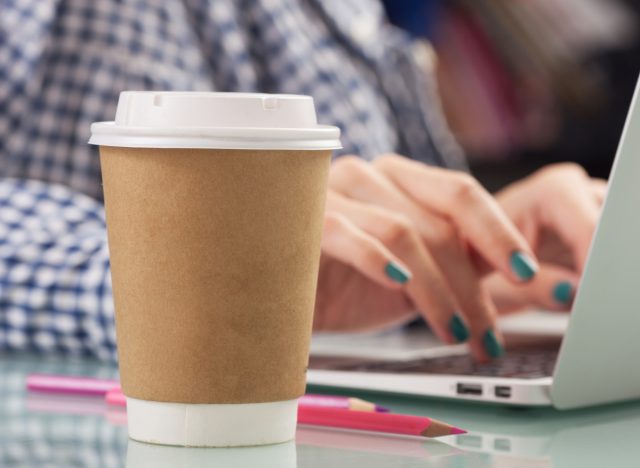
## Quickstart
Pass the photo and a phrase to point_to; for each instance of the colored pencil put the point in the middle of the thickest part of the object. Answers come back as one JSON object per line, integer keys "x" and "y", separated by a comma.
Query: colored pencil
{"x": 330, "y": 401}
{"x": 115, "y": 397}
{"x": 111, "y": 390}
{"x": 388, "y": 423}
{"x": 69, "y": 385}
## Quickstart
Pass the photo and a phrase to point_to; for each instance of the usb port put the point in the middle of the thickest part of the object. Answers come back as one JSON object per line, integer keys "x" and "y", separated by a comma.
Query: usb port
{"x": 469, "y": 389}
{"x": 503, "y": 392}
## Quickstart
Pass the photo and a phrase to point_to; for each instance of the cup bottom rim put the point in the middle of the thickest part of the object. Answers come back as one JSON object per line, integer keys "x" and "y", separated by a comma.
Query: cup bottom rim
{"x": 211, "y": 425}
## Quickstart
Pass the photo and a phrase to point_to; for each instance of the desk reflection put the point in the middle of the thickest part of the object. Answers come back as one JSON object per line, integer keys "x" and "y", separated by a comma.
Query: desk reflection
{"x": 57, "y": 430}
{"x": 142, "y": 455}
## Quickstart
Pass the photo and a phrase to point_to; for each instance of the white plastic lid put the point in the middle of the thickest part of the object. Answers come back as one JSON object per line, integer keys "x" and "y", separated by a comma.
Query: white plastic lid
{"x": 151, "y": 119}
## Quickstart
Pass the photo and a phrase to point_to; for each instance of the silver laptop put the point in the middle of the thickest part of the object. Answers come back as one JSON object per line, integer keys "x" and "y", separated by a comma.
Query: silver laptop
{"x": 598, "y": 359}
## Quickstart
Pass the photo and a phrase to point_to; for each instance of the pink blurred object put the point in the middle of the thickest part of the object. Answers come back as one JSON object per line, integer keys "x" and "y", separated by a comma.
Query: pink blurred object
{"x": 115, "y": 397}
{"x": 69, "y": 385}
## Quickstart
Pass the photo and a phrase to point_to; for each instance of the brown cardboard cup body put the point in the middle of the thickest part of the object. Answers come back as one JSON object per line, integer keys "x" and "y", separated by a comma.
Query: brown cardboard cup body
{"x": 214, "y": 261}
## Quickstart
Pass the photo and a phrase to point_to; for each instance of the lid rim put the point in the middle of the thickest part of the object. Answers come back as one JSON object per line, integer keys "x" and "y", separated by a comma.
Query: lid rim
{"x": 111, "y": 128}
{"x": 321, "y": 137}
{"x": 247, "y": 145}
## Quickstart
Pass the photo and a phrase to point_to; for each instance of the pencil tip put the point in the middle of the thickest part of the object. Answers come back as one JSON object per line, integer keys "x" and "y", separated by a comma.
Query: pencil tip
{"x": 457, "y": 430}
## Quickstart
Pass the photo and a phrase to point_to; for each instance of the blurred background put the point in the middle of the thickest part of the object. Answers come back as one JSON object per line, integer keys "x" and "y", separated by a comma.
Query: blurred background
{"x": 528, "y": 82}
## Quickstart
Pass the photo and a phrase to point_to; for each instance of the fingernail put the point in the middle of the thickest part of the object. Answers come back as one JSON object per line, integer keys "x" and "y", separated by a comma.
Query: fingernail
{"x": 397, "y": 273}
{"x": 563, "y": 292}
{"x": 523, "y": 265}
{"x": 458, "y": 329}
{"x": 492, "y": 345}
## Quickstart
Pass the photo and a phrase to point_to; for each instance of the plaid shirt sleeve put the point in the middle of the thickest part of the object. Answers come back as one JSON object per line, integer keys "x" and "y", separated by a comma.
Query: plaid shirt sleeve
{"x": 55, "y": 287}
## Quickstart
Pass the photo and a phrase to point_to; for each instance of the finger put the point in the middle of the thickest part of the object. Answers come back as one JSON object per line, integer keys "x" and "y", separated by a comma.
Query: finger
{"x": 570, "y": 210}
{"x": 427, "y": 290}
{"x": 599, "y": 187}
{"x": 471, "y": 316}
{"x": 344, "y": 241}
{"x": 460, "y": 198}
{"x": 553, "y": 288}
{"x": 486, "y": 341}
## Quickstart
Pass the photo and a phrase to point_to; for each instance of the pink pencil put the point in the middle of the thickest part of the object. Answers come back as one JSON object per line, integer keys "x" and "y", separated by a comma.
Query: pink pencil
{"x": 115, "y": 397}
{"x": 113, "y": 394}
{"x": 338, "y": 402}
{"x": 388, "y": 423}
{"x": 69, "y": 385}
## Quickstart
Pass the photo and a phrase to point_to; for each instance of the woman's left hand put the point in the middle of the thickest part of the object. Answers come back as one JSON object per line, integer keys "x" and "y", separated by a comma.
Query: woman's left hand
{"x": 557, "y": 210}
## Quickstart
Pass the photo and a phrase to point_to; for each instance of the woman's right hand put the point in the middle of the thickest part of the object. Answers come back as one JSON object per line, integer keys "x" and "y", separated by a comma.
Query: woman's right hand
{"x": 402, "y": 238}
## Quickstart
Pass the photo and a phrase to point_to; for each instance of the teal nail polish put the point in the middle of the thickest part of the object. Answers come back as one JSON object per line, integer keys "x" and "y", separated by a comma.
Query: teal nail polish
{"x": 396, "y": 273}
{"x": 492, "y": 345}
{"x": 563, "y": 292}
{"x": 523, "y": 266}
{"x": 458, "y": 329}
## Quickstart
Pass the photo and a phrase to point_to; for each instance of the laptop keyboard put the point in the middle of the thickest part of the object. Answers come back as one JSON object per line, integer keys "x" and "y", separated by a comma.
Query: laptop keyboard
{"x": 524, "y": 363}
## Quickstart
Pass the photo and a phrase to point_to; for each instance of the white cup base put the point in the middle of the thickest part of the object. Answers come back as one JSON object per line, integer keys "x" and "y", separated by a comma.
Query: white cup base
{"x": 211, "y": 425}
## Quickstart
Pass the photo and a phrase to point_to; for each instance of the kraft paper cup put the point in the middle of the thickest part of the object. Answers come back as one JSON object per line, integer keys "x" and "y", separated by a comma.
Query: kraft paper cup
{"x": 214, "y": 206}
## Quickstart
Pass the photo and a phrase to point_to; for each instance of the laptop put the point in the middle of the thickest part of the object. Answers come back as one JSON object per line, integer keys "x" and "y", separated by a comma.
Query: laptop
{"x": 596, "y": 361}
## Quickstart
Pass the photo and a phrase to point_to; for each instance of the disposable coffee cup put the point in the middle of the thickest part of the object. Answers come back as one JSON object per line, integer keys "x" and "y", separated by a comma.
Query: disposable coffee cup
{"x": 214, "y": 206}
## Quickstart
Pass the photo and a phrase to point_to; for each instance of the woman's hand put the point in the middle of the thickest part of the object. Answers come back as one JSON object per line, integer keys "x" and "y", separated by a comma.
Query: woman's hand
{"x": 402, "y": 237}
{"x": 556, "y": 209}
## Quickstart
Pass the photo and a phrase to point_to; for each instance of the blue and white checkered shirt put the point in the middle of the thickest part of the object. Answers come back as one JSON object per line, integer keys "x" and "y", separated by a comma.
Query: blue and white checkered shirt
{"x": 63, "y": 64}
